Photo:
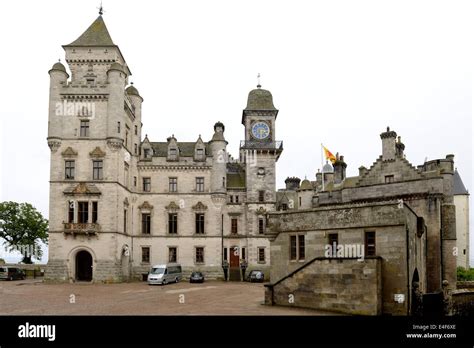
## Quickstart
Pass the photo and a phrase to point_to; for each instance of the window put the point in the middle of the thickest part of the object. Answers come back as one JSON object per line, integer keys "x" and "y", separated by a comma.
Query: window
{"x": 223, "y": 182}
{"x": 299, "y": 201}
{"x": 200, "y": 184}
{"x": 70, "y": 215}
{"x": 261, "y": 226}
{"x": 370, "y": 243}
{"x": 126, "y": 138}
{"x": 389, "y": 179}
{"x": 118, "y": 127}
{"x": 135, "y": 181}
{"x": 200, "y": 154}
{"x": 284, "y": 206}
{"x": 146, "y": 223}
{"x": 200, "y": 223}
{"x": 293, "y": 250}
{"x": 136, "y": 130}
{"x": 297, "y": 248}
{"x": 261, "y": 196}
{"x": 301, "y": 247}
{"x": 173, "y": 154}
{"x": 69, "y": 169}
{"x": 199, "y": 255}
{"x": 261, "y": 255}
{"x": 84, "y": 130}
{"x": 172, "y": 254}
{"x": 173, "y": 184}
{"x": 333, "y": 239}
{"x": 243, "y": 254}
{"x": 147, "y": 153}
{"x": 125, "y": 221}
{"x": 145, "y": 254}
{"x": 236, "y": 199}
{"x": 95, "y": 212}
{"x": 83, "y": 212}
{"x": 97, "y": 169}
{"x": 90, "y": 81}
{"x": 231, "y": 199}
{"x": 136, "y": 149}
{"x": 233, "y": 225}
{"x": 146, "y": 184}
{"x": 173, "y": 223}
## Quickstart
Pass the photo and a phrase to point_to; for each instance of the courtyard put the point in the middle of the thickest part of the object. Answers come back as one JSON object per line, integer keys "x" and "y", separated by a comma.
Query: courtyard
{"x": 34, "y": 297}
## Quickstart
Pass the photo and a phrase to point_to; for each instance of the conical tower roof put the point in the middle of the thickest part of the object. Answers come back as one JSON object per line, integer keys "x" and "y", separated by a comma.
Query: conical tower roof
{"x": 96, "y": 35}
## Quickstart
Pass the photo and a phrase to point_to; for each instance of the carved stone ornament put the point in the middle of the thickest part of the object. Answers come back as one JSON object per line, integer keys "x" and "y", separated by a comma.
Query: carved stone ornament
{"x": 97, "y": 153}
{"x": 172, "y": 206}
{"x": 69, "y": 152}
{"x": 145, "y": 206}
{"x": 199, "y": 206}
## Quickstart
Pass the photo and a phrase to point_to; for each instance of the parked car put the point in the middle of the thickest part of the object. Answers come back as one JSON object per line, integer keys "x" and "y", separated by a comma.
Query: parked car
{"x": 11, "y": 273}
{"x": 256, "y": 276}
{"x": 164, "y": 274}
{"x": 196, "y": 277}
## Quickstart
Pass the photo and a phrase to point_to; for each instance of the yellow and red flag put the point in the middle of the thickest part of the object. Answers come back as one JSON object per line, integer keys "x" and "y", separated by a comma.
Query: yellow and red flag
{"x": 328, "y": 154}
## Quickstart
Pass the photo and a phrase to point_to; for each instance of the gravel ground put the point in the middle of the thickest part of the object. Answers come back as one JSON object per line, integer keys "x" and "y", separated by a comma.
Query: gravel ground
{"x": 33, "y": 297}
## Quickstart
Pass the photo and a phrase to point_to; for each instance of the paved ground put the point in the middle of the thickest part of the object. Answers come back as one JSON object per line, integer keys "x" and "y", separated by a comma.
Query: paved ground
{"x": 30, "y": 296}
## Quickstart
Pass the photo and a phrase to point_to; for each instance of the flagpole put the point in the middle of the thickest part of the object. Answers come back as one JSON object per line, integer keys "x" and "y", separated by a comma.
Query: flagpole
{"x": 322, "y": 171}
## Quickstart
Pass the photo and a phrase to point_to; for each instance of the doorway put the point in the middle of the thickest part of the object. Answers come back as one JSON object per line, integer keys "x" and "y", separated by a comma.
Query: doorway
{"x": 83, "y": 266}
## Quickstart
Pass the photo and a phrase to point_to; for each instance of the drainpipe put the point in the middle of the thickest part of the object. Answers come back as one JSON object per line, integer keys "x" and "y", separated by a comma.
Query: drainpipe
{"x": 408, "y": 272}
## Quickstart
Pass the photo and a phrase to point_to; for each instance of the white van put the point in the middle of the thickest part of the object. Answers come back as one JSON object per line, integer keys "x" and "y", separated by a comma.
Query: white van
{"x": 164, "y": 274}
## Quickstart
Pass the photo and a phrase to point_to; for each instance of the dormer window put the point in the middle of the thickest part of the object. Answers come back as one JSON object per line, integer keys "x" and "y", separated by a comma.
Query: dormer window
{"x": 173, "y": 154}
{"x": 199, "y": 154}
{"x": 147, "y": 153}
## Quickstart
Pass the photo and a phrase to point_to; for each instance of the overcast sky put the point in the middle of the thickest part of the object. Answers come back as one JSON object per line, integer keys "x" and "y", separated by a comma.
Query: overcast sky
{"x": 340, "y": 72}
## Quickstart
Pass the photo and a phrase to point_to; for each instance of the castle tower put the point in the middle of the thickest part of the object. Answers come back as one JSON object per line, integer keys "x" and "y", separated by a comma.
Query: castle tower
{"x": 94, "y": 133}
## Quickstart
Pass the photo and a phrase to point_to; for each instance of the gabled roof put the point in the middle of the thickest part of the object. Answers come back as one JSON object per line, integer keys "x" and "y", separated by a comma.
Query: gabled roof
{"x": 458, "y": 185}
{"x": 96, "y": 35}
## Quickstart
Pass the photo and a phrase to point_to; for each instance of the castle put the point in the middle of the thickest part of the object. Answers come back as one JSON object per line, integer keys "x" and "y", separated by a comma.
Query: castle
{"x": 119, "y": 205}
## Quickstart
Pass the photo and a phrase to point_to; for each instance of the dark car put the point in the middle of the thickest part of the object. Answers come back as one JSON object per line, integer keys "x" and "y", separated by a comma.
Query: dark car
{"x": 256, "y": 276}
{"x": 11, "y": 273}
{"x": 196, "y": 277}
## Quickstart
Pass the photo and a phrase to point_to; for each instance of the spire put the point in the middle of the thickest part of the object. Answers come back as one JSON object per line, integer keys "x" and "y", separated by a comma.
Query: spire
{"x": 101, "y": 9}
{"x": 96, "y": 35}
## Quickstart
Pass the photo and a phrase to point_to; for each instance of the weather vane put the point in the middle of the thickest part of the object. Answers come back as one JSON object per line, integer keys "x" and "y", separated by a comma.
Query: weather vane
{"x": 258, "y": 81}
{"x": 101, "y": 9}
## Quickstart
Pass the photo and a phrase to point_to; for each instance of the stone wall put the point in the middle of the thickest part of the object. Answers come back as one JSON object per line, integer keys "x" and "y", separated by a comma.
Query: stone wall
{"x": 463, "y": 302}
{"x": 344, "y": 285}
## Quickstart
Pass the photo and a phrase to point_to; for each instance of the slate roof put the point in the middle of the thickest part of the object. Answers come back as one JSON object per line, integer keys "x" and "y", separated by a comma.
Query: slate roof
{"x": 96, "y": 35}
{"x": 186, "y": 149}
{"x": 235, "y": 176}
{"x": 260, "y": 99}
{"x": 458, "y": 185}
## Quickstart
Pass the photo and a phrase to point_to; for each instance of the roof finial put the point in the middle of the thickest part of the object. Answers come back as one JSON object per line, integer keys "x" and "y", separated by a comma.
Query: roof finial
{"x": 258, "y": 81}
{"x": 101, "y": 9}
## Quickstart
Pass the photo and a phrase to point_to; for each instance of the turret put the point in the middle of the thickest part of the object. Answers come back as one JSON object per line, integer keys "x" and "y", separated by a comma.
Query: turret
{"x": 57, "y": 78}
{"x": 116, "y": 77}
{"x": 218, "y": 146}
{"x": 292, "y": 183}
{"x": 399, "y": 147}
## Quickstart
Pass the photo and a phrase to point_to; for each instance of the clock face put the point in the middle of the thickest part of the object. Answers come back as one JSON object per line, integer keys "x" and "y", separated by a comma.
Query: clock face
{"x": 260, "y": 130}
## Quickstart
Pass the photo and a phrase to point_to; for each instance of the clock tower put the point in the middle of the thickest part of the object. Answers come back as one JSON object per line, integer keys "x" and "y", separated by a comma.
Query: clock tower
{"x": 259, "y": 151}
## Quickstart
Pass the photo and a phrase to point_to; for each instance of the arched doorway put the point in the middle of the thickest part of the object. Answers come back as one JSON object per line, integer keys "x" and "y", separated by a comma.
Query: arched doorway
{"x": 83, "y": 266}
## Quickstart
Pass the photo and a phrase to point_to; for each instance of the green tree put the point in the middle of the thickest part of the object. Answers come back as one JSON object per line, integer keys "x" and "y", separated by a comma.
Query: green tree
{"x": 23, "y": 228}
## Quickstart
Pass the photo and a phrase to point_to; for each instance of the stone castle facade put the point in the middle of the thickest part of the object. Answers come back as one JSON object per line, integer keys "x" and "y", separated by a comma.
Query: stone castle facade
{"x": 403, "y": 218}
{"x": 119, "y": 205}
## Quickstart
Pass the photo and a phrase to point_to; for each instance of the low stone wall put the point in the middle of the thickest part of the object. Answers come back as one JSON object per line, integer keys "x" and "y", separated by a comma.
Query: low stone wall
{"x": 465, "y": 285}
{"x": 34, "y": 270}
{"x": 463, "y": 302}
{"x": 341, "y": 285}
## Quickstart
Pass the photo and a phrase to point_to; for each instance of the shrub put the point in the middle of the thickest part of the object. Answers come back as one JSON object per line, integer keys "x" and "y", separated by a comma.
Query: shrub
{"x": 464, "y": 274}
